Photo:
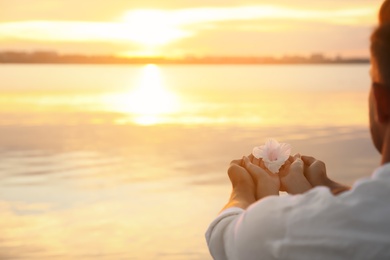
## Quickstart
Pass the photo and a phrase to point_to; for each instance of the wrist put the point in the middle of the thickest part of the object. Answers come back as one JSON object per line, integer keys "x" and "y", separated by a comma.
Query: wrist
{"x": 337, "y": 188}
{"x": 241, "y": 199}
{"x": 243, "y": 194}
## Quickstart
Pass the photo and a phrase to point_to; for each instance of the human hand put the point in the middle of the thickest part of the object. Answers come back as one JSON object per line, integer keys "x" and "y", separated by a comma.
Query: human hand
{"x": 292, "y": 177}
{"x": 240, "y": 177}
{"x": 243, "y": 187}
{"x": 267, "y": 183}
{"x": 315, "y": 173}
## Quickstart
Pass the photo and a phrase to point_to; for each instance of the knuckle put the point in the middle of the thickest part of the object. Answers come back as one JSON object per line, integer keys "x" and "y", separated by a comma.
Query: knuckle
{"x": 234, "y": 161}
{"x": 321, "y": 164}
{"x": 318, "y": 168}
{"x": 232, "y": 168}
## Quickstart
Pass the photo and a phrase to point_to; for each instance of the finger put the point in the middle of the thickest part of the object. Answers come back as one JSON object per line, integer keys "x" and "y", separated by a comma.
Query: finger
{"x": 283, "y": 171}
{"x": 317, "y": 167}
{"x": 250, "y": 167}
{"x": 296, "y": 156}
{"x": 286, "y": 164}
{"x": 246, "y": 161}
{"x": 237, "y": 161}
{"x": 297, "y": 160}
{"x": 255, "y": 161}
{"x": 264, "y": 168}
{"x": 250, "y": 157}
{"x": 290, "y": 159}
{"x": 261, "y": 164}
{"x": 236, "y": 174}
{"x": 309, "y": 160}
{"x": 297, "y": 165}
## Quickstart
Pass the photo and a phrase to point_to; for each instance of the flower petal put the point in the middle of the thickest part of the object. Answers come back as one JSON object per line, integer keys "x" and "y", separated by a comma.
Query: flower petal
{"x": 285, "y": 149}
{"x": 274, "y": 166}
{"x": 272, "y": 144}
{"x": 258, "y": 152}
{"x": 273, "y": 153}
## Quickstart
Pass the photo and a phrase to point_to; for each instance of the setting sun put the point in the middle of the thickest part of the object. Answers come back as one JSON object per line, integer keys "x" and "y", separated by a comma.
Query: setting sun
{"x": 118, "y": 120}
{"x": 149, "y": 101}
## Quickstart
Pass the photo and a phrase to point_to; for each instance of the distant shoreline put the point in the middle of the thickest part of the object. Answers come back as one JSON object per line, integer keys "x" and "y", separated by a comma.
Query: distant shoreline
{"x": 43, "y": 57}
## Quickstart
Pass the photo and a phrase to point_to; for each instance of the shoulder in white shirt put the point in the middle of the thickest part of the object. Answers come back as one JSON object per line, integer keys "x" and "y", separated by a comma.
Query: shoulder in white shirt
{"x": 314, "y": 225}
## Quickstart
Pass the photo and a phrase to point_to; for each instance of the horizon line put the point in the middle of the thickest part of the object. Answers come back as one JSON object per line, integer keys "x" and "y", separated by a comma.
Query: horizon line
{"x": 53, "y": 57}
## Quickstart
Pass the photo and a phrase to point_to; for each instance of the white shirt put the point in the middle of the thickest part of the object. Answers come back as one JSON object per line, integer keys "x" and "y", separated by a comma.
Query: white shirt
{"x": 314, "y": 225}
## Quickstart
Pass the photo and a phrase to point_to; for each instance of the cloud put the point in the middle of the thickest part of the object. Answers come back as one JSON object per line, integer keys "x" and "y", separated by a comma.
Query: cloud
{"x": 138, "y": 25}
{"x": 90, "y": 10}
{"x": 182, "y": 30}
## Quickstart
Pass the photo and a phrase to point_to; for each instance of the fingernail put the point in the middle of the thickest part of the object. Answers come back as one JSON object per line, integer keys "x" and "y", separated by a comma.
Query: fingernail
{"x": 297, "y": 155}
{"x": 246, "y": 160}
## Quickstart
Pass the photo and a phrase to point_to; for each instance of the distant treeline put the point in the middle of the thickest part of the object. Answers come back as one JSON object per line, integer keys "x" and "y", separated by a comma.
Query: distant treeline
{"x": 45, "y": 57}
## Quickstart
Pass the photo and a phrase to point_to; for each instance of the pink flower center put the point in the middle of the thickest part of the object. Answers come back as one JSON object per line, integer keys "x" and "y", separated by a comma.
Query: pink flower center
{"x": 273, "y": 155}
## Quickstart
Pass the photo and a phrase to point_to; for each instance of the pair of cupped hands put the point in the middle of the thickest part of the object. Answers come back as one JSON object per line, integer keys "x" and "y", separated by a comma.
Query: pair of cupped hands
{"x": 252, "y": 181}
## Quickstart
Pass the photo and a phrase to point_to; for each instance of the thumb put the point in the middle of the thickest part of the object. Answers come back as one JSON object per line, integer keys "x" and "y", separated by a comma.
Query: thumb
{"x": 253, "y": 169}
{"x": 285, "y": 167}
{"x": 297, "y": 165}
{"x": 296, "y": 156}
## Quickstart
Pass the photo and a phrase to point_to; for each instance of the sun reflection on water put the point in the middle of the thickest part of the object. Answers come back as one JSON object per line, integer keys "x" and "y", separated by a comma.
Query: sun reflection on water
{"x": 149, "y": 101}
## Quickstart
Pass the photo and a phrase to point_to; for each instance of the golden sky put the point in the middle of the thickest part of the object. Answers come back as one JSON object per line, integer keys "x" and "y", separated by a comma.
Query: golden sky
{"x": 177, "y": 28}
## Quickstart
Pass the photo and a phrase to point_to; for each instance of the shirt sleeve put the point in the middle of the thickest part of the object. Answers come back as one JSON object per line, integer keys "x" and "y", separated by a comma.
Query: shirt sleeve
{"x": 254, "y": 233}
{"x": 218, "y": 232}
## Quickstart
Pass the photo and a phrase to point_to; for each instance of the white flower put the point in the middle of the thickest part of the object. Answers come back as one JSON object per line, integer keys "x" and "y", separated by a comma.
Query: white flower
{"x": 273, "y": 153}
